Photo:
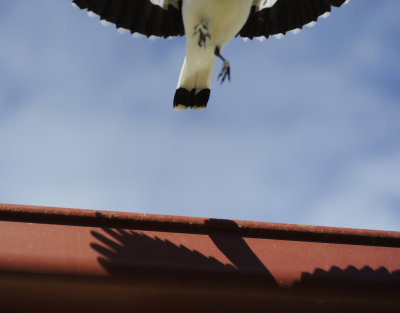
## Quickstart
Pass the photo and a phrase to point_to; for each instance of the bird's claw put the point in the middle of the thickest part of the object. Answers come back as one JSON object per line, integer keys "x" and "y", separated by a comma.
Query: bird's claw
{"x": 203, "y": 33}
{"x": 225, "y": 72}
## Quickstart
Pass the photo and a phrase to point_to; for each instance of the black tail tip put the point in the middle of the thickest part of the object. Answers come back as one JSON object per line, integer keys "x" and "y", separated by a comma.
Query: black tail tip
{"x": 185, "y": 99}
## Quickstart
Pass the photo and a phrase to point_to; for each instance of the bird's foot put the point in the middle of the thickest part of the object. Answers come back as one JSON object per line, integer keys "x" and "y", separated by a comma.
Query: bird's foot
{"x": 226, "y": 68}
{"x": 202, "y": 31}
{"x": 225, "y": 72}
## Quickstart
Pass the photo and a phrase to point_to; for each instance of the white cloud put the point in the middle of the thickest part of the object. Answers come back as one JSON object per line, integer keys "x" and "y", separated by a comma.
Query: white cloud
{"x": 299, "y": 135}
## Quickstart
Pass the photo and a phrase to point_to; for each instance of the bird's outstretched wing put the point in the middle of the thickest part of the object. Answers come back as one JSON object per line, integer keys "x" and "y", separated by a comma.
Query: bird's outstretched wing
{"x": 160, "y": 18}
{"x": 276, "y": 17}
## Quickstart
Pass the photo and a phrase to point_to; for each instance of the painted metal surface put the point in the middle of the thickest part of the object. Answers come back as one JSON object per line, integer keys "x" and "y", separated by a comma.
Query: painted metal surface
{"x": 223, "y": 262}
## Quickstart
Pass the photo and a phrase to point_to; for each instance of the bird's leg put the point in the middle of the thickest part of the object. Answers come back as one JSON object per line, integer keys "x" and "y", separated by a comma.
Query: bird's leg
{"x": 226, "y": 68}
{"x": 203, "y": 33}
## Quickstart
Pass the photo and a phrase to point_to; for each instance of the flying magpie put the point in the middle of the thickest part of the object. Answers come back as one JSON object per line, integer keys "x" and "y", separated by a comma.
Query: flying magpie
{"x": 208, "y": 26}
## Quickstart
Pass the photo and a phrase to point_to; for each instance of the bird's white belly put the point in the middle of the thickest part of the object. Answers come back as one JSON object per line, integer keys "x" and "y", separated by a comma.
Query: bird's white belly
{"x": 224, "y": 18}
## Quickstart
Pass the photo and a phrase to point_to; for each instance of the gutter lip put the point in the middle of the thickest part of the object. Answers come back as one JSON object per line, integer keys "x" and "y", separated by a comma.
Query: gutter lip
{"x": 186, "y": 224}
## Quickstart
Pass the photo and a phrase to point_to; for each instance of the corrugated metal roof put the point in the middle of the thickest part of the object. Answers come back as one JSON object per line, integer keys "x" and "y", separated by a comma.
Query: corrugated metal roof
{"x": 161, "y": 262}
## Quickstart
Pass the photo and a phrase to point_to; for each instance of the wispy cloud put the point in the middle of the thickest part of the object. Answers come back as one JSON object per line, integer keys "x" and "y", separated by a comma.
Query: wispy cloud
{"x": 306, "y": 132}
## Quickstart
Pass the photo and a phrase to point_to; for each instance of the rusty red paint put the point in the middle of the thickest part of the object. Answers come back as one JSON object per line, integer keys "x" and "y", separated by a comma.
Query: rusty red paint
{"x": 195, "y": 224}
{"x": 143, "y": 248}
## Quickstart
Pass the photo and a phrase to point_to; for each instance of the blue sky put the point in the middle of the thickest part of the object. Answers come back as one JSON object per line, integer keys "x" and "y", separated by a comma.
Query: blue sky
{"x": 307, "y": 131}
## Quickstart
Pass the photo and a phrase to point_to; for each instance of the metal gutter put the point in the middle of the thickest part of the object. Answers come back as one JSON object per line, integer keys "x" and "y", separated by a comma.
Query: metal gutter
{"x": 110, "y": 260}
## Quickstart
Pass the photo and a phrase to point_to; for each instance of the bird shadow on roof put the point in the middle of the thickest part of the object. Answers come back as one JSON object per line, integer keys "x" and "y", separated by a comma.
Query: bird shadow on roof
{"x": 134, "y": 253}
{"x": 130, "y": 252}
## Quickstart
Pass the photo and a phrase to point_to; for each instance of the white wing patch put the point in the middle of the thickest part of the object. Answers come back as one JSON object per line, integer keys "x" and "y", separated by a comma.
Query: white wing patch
{"x": 105, "y": 23}
{"x": 311, "y": 24}
{"x": 164, "y": 3}
{"x": 122, "y": 30}
{"x": 92, "y": 14}
{"x": 325, "y": 15}
{"x": 293, "y": 31}
{"x": 266, "y": 4}
{"x": 278, "y": 36}
{"x": 137, "y": 35}
{"x": 158, "y": 2}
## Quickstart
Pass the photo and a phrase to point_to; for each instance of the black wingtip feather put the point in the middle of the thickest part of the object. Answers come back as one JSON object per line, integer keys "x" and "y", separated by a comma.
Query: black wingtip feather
{"x": 284, "y": 16}
{"x": 139, "y": 16}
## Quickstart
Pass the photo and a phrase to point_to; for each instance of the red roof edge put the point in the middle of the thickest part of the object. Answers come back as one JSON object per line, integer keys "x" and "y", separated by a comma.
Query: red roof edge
{"x": 63, "y": 260}
{"x": 99, "y": 218}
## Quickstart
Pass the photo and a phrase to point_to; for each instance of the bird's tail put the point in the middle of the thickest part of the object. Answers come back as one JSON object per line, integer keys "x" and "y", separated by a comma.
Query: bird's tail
{"x": 194, "y": 84}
